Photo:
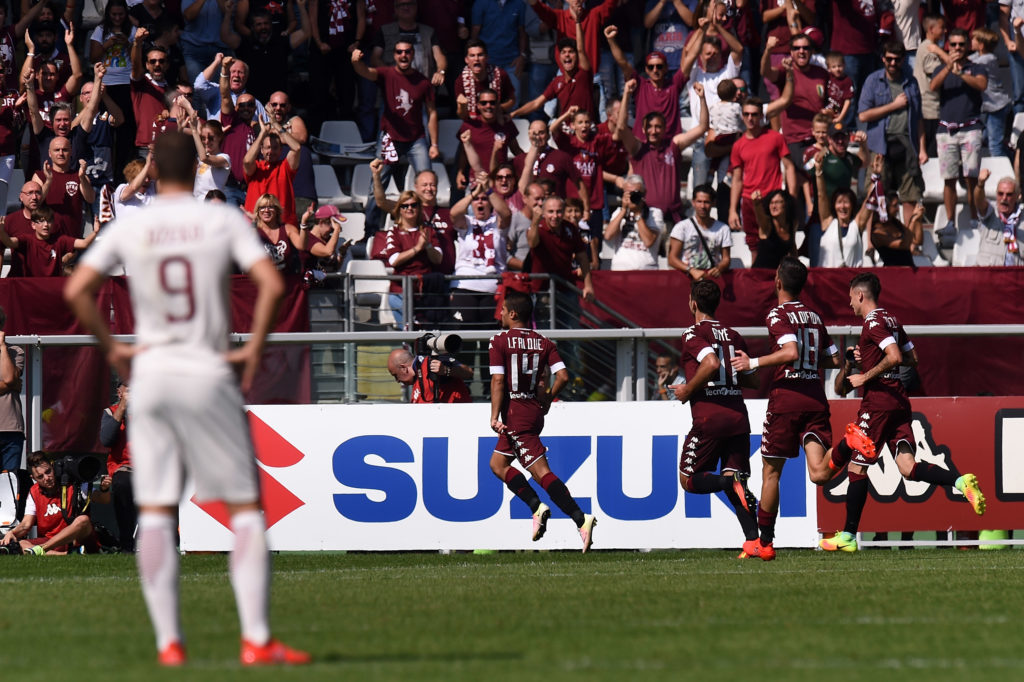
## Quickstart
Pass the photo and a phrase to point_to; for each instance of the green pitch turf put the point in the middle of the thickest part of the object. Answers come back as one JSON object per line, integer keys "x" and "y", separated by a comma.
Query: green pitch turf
{"x": 694, "y": 615}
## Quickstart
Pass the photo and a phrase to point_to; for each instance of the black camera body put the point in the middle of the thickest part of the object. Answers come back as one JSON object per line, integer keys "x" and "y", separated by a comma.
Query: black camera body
{"x": 72, "y": 470}
{"x": 636, "y": 197}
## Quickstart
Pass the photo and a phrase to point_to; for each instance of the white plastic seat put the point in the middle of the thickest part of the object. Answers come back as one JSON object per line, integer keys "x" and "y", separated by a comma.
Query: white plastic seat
{"x": 328, "y": 190}
{"x": 370, "y": 293}
{"x": 740, "y": 252}
{"x": 448, "y": 138}
{"x": 933, "y": 182}
{"x": 931, "y": 249}
{"x": 14, "y": 189}
{"x": 965, "y": 250}
{"x": 523, "y": 138}
{"x": 1017, "y": 129}
{"x": 354, "y": 227}
{"x": 361, "y": 179}
{"x": 340, "y": 141}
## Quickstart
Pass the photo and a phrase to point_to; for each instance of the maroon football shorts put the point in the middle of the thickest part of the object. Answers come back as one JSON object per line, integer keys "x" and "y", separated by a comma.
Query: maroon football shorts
{"x": 525, "y": 446}
{"x": 701, "y": 453}
{"x": 885, "y": 427}
{"x": 785, "y": 432}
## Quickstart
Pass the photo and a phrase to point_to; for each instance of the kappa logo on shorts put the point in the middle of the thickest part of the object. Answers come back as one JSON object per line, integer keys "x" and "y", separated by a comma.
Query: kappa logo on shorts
{"x": 887, "y": 483}
{"x": 272, "y": 451}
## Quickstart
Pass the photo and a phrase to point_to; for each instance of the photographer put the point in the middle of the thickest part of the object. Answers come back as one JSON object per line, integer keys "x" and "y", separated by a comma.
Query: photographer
{"x": 434, "y": 378}
{"x": 635, "y": 230}
{"x": 59, "y": 529}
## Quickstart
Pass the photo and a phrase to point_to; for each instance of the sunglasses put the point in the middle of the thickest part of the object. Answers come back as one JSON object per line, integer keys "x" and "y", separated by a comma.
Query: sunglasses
{"x": 751, "y": 114}
{"x": 892, "y": 60}
{"x": 487, "y": 102}
{"x": 503, "y": 177}
{"x": 156, "y": 61}
{"x": 657, "y": 66}
{"x": 246, "y": 105}
{"x": 958, "y": 44}
{"x": 397, "y": 51}
{"x": 801, "y": 48}
{"x": 409, "y": 206}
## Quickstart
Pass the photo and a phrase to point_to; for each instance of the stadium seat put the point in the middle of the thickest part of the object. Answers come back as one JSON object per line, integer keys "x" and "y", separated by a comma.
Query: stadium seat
{"x": 370, "y": 293}
{"x": 931, "y": 249}
{"x": 933, "y": 183}
{"x": 1017, "y": 129}
{"x": 523, "y": 138}
{"x": 361, "y": 179}
{"x": 14, "y": 190}
{"x": 740, "y": 252}
{"x": 340, "y": 142}
{"x": 354, "y": 227}
{"x": 444, "y": 185}
{"x": 965, "y": 251}
{"x": 685, "y": 123}
{"x": 1000, "y": 167}
{"x": 328, "y": 190}
{"x": 448, "y": 138}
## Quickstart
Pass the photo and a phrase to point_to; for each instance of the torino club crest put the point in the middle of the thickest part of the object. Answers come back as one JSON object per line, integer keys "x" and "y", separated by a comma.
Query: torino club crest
{"x": 71, "y": 187}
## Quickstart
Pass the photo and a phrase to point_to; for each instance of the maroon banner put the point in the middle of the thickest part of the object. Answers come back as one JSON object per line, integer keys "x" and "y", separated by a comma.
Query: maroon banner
{"x": 970, "y": 435}
{"x": 77, "y": 381}
{"x": 658, "y": 298}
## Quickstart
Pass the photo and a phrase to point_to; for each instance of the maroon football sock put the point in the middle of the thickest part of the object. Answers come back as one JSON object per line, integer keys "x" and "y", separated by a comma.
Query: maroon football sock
{"x": 517, "y": 483}
{"x": 856, "y": 498}
{"x": 559, "y": 494}
{"x": 932, "y": 474}
{"x": 766, "y": 524}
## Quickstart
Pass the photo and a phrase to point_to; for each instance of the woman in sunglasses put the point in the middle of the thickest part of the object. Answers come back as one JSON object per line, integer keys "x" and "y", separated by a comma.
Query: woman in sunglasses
{"x": 283, "y": 241}
{"x": 410, "y": 247}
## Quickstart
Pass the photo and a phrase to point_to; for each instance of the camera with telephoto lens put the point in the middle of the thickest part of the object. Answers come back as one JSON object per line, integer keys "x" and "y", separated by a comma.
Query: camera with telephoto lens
{"x": 438, "y": 344}
{"x": 71, "y": 470}
{"x": 636, "y": 196}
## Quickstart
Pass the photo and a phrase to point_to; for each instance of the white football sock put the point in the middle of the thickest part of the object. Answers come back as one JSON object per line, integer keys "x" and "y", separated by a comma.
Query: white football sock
{"x": 250, "y": 575}
{"x": 157, "y": 558}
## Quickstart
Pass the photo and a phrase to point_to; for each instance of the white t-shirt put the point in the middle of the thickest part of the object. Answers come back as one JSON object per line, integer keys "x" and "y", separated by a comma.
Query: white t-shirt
{"x": 726, "y": 118}
{"x": 137, "y": 201}
{"x": 710, "y": 82}
{"x": 117, "y": 58}
{"x": 630, "y": 251}
{"x": 180, "y": 252}
{"x": 480, "y": 250}
{"x": 209, "y": 177}
{"x": 718, "y": 237}
{"x": 841, "y": 252}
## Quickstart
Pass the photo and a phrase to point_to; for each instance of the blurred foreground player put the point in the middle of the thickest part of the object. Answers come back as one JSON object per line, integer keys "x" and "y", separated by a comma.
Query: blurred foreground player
{"x": 519, "y": 357}
{"x": 187, "y": 411}
{"x": 884, "y": 412}
{"x": 719, "y": 439}
{"x": 798, "y": 413}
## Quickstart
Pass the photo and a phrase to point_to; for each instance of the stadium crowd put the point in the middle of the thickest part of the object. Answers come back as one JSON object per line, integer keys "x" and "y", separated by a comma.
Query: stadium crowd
{"x": 700, "y": 135}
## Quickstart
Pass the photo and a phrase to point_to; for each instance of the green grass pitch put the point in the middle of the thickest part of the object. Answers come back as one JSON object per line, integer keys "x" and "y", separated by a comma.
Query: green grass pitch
{"x": 689, "y": 615}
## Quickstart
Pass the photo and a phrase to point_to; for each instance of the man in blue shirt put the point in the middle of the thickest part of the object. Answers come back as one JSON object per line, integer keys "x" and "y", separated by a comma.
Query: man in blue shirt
{"x": 501, "y": 24}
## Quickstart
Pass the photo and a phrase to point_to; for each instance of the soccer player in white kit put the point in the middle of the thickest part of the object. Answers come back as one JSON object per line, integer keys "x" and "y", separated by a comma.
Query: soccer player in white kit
{"x": 187, "y": 412}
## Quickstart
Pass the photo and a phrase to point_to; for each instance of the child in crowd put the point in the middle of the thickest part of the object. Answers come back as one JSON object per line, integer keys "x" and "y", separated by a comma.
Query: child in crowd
{"x": 840, "y": 87}
{"x": 820, "y": 125}
{"x": 995, "y": 104}
{"x": 574, "y": 214}
{"x": 725, "y": 123}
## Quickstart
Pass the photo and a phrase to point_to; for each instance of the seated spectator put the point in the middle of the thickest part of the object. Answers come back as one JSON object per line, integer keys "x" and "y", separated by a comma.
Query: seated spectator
{"x": 635, "y": 230}
{"x": 1000, "y": 224}
{"x": 44, "y": 253}
{"x": 214, "y": 166}
{"x": 272, "y": 174}
{"x": 235, "y": 74}
{"x": 659, "y": 158}
{"x": 655, "y": 91}
{"x": 283, "y": 241}
{"x": 114, "y": 435}
{"x": 701, "y": 246}
{"x": 669, "y": 374}
{"x": 776, "y": 228}
{"x": 995, "y": 102}
{"x": 68, "y": 188}
{"x": 478, "y": 75}
{"x": 481, "y": 219}
{"x": 842, "y": 241}
{"x": 410, "y": 247}
{"x": 324, "y": 234}
{"x": 45, "y": 510}
{"x": 264, "y": 50}
{"x": 138, "y": 189}
{"x": 894, "y": 242}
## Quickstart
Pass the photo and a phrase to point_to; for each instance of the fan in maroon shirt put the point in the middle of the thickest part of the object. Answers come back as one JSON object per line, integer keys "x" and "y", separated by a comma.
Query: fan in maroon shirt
{"x": 574, "y": 84}
{"x": 43, "y": 252}
{"x": 554, "y": 242}
{"x": 546, "y": 163}
{"x": 518, "y": 360}
{"x": 591, "y": 151}
{"x": 484, "y": 129}
{"x": 719, "y": 439}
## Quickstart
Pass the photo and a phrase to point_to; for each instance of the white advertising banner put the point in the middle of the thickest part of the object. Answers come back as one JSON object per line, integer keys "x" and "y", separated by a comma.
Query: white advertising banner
{"x": 417, "y": 477}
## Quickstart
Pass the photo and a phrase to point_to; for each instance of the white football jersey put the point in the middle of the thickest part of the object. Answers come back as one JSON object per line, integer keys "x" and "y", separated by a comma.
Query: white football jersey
{"x": 180, "y": 253}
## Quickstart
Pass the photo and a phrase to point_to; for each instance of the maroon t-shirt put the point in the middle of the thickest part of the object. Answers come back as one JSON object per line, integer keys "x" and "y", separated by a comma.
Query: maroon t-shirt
{"x": 522, "y": 355}
{"x": 575, "y": 90}
{"x": 620, "y": 165}
{"x": 404, "y": 98}
{"x": 590, "y": 157}
{"x": 17, "y": 225}
{"x": 965, "y": 14}
{"x": 495, "y": 78}
{"x": 797, "y": 387}
{"x": 551, "y": 164}
{"x": 855, "y": 26}
{"x": 664, "y": 100}
{"x": 662, "y": 171}
{"x": 65, "y": 198}
{"x": 43, "y": 258}
{"x": 441, "y": 220}
{"x": 238, "y": 137}
{"x": 839, "y": 90}
{"x": 778, "y": 27}
{"x": 399, "y": 240}
{"x": 718, "y": 410}
{"x": 481, "y": 136}
{"x": 556, "y": 250}
{"x": 147, "y": 103}
{"x": 810, "y": 94}
{"x": 885, "y": 392}
{"x": 11, "y": 120}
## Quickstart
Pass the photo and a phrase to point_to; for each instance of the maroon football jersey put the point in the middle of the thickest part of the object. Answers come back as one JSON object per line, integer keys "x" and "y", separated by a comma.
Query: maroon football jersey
{"x": 522, "y": 355}
{"x": 718, "y": 409}
{"x": 797, "y": 387}
{"x": 879, "y": 331}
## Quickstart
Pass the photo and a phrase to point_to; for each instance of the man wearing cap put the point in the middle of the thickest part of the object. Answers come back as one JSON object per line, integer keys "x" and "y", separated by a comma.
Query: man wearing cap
{"x": 890, "y": 104}
{"x": 838, "y": 166}
{"x": 322, "y": 244}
